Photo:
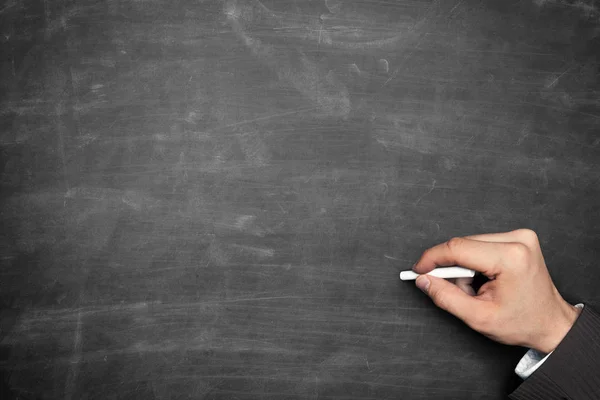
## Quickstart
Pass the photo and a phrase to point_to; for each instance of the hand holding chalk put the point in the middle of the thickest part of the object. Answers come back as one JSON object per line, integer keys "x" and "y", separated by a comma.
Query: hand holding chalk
{"x": 518, "y": 306}
{"x": 446, "y": 273}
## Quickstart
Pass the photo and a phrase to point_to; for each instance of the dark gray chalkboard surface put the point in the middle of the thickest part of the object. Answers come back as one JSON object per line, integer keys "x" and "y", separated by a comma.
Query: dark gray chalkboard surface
{"x": 206, "y": 199}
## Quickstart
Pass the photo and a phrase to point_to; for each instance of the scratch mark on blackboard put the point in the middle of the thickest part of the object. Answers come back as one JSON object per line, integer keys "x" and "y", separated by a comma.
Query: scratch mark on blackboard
{"x": 61, "y": 143}
{"x": 391, "y": 77}
{"x": 525, "y": 131}
{"x": 134, "y": 117}
{"x": 454, "y": 8}
{"x": 562, "y": 109}
{"x": 587, "y": 8}
{"x": 430, "y": 190}
{"x": 264, "y": 118}
{"x": 75, "y": 360}
{"x": 10, "y": 5}
{"x": 373, "y": 44}
{"x": 384, "y": 65}
{"x": 342, "y": 359}
{"x": 136, "y": 200}
{"x": 281, "y": 207}
{"x": 553, "y": 83}
{"x": 333, "y": 30}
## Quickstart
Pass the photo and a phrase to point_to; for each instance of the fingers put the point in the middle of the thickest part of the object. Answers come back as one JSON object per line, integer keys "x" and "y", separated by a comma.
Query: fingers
{"x": 452, "y": 298}
{"x": 485, "y": 257}
{"x": 525, "y": 236}
{"x": 465, "y": 285}
{"x": 482, "y": 253}
{"x": 515, "y": 305}
{"x": 503, "y": 237}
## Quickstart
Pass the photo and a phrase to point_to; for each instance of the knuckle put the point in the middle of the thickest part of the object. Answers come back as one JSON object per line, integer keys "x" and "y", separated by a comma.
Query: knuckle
{"x": 455, "y": 244}
{"x": 519, "y": 253}
{"x": 425, "y": 254}
{"x": 528, "y": 236}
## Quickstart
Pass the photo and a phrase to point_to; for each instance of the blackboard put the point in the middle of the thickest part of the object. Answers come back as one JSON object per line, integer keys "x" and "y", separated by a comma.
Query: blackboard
{"x": 213, "y": 199}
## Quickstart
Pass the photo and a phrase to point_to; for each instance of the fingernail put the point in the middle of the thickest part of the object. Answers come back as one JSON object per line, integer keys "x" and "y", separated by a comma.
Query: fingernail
{"x": 422, "y": 283}
{"x": 413, "y": 266}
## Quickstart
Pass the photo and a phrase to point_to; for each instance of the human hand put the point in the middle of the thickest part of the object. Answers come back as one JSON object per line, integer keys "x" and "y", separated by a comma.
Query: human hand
{"x": 519, "y": 305}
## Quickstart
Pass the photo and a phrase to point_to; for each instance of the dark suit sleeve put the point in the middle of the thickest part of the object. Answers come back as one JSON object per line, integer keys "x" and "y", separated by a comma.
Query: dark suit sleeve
{"x": 572, "y": 372}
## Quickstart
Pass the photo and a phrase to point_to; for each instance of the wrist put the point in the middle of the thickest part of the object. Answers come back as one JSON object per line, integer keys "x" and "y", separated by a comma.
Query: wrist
{"x": 557, "y": 328}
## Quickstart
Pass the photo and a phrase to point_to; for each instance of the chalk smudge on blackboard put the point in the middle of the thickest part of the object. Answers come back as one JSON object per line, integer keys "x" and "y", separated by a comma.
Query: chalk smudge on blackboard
{"x": 134, "y": 199}
{"x": 254, "y": 148}
{"x": 337, "y": 29}
{"x": 384, "y": 65}
{"x": 232, "y": 223}
{"x": 587, "y": 8}
{"x": 294, "y": 67}
{"x": 396, "y": 133}
{"x": 259, "y": 252}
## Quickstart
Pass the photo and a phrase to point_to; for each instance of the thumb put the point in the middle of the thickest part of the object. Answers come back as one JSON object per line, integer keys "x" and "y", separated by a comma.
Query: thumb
{"x": 449, "y": 297}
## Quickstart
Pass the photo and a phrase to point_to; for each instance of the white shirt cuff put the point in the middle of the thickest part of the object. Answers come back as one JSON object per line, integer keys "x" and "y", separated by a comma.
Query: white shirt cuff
{"x": 533, "y": 359}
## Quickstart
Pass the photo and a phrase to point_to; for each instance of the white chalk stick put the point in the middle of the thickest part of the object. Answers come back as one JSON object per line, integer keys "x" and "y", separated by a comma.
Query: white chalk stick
{"x": 445, "y": 272}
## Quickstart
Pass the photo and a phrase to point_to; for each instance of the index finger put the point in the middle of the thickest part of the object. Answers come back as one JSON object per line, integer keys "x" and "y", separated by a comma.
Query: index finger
{"x": 484, "y": 257}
